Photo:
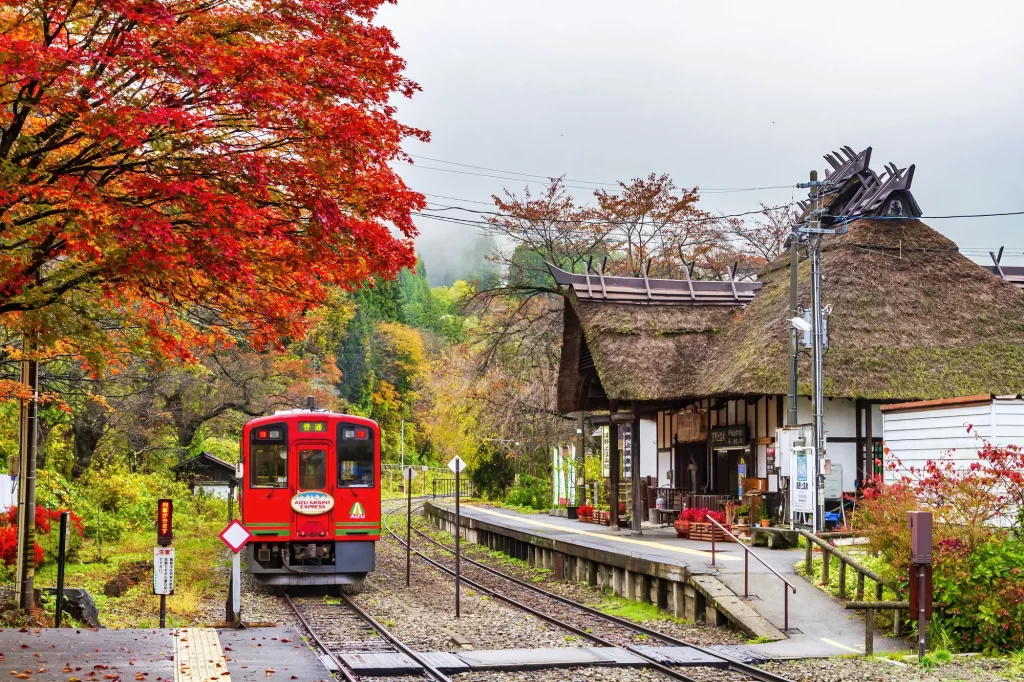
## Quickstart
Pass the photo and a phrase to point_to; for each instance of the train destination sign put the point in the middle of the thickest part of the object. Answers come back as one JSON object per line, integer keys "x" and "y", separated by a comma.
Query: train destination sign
{"x": 312, "y": 427}
{"x": 312, "y": 502}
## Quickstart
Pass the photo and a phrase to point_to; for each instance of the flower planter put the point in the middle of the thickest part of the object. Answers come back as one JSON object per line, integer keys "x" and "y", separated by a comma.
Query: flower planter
{"x": 682, "y": 528}
{"x": 708, "y": 532}
{"x": 571, "y": 512}
{"x": 766, "y": 523}
{"x": 585, "y": 519}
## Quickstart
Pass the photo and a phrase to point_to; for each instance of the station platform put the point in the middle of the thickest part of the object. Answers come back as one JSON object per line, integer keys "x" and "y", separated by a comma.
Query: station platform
{"x": 818, "y": 624}
{"x": 181, "y": 655}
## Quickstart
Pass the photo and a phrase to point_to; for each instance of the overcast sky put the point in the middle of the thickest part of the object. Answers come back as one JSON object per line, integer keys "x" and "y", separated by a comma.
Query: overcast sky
{"x": 718, "y": 95}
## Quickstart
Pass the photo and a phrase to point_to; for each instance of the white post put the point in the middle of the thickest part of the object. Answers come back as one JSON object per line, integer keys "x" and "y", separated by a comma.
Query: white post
{"x": 403, "y": 445}
{"x": 236, "y": 588}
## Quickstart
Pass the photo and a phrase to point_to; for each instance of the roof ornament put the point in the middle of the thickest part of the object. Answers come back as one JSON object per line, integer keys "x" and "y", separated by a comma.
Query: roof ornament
{"x": 586, "y": 272}
{"x": 688, "y": 272}
{"x": 731, "y": 269}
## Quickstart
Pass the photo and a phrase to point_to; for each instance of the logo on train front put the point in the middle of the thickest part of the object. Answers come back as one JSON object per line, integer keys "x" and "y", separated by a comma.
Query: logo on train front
{"x": 357, "y": 512}
{"x": 312, "y": 502}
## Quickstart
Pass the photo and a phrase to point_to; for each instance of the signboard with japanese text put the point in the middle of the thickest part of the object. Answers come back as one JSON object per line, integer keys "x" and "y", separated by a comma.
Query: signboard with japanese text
{"x": 163, "y": 570}
{"x": 729, "y": 436}
{"x": 627, "y": 451}
{"x": 164, "y": 522}
{"x": 800, "y": 490}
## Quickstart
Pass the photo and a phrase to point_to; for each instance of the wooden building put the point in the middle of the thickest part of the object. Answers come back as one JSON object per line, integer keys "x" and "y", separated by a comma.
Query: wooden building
{"x": 207, "y": 472}
{"x": 913, "y": 319}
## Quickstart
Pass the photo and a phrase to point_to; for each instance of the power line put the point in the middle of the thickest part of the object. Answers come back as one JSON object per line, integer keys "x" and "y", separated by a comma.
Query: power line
{"x": 928, "y": 217}
{"x": 526, "y": 178}
{"x": 501, "y": 170}
{"x": 606, "y": 222}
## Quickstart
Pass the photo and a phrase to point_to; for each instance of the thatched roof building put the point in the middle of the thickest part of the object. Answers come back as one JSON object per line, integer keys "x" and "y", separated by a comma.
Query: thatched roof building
{"x": 912, "y": 319}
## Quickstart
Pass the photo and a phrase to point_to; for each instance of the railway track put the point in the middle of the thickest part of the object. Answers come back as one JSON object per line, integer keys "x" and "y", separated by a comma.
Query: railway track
{"x": 344, "y": 629}
{"x": 614, "y": 627}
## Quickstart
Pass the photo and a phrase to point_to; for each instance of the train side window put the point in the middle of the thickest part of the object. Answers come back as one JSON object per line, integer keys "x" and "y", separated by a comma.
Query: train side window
{"x": 355, "y": 456}
{"x": 268, "y": 465}
{"x": 268, "y": 456}
{"x": 312, "y": 469}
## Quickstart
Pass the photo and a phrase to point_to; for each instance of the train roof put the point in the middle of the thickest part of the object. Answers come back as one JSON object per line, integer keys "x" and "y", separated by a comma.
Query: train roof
{"x": 319, "y": 414}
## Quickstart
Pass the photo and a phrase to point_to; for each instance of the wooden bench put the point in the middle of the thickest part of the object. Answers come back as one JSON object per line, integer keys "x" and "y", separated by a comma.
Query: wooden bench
{"x": 669, "y": 514}
{"x": 774, "y": 538}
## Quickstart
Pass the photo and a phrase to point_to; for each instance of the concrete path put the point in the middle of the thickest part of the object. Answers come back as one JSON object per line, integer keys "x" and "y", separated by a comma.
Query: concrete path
{"x": 185, "y": 655}
{"x": 819, "y": 625}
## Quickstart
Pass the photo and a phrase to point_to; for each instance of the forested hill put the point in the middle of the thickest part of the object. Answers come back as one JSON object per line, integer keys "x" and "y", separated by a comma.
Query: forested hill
{"x": 384, "y": 350}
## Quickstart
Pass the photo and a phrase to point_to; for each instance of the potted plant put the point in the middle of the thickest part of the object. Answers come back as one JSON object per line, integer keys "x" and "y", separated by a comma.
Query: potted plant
{"x": 686, "y": 517}
{"x": 742, "y": 514}
{"x": 584, "y": 512}
{"x": 766, "y": 520}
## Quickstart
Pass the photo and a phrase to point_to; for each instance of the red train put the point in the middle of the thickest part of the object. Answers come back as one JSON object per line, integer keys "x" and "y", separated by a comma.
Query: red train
{"x": 311, "y": 497}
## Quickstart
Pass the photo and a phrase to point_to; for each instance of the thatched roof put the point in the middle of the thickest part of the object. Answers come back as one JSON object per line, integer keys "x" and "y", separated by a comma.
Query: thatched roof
{"x": 912, "y": 319}
{"x": 640, "y": 352}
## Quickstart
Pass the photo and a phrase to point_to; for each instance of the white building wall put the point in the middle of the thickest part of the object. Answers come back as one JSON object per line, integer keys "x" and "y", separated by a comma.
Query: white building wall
{"x": 916, "y": 436}
{"x": 7, "y": 497}
{"x": 649, "y": 448}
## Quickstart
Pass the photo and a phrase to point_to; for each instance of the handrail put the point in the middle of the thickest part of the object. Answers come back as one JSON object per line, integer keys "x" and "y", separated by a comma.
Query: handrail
{"x": 746, "y": 569}
{"x": 853, "y": 563}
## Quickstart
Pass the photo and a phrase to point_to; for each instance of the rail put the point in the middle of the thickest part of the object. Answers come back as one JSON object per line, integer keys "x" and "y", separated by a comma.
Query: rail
{"x": 733, "y": 663}
{"x": 787, "y": 586}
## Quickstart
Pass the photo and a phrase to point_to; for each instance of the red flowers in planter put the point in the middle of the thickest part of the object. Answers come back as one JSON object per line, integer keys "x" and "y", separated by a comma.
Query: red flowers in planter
{"x": 699, "y": 515}
{"x": 585, "y": 510}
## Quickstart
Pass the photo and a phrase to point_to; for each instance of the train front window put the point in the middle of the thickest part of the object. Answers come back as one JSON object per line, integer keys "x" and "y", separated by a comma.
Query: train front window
{"x": 268, "y": 465}
{"x": 355, "y": 456}
{"x": 312, "y": 469}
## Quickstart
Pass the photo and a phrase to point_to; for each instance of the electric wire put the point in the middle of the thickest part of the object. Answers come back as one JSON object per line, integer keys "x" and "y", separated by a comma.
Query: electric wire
{"x": 536, "y": 178}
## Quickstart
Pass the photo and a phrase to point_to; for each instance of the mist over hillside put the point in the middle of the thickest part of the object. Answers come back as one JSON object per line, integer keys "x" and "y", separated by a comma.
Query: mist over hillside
{"x": 455, "y": 253}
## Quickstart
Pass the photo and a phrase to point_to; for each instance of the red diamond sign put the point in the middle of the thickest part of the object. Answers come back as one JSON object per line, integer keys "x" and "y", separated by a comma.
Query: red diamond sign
{"x": 235, "y": 536}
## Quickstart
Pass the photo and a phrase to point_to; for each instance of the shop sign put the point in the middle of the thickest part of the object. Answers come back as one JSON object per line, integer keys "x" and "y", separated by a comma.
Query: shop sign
{"x": 728, "y": 436}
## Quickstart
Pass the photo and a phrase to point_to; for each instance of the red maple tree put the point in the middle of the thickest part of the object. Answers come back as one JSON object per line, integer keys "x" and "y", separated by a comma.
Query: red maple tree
{"x": 177, "y": 168}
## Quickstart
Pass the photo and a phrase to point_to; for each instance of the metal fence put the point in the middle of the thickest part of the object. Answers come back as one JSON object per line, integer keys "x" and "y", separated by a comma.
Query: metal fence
{"x": 392, "y": 479}
{"x": 445, "y": 487}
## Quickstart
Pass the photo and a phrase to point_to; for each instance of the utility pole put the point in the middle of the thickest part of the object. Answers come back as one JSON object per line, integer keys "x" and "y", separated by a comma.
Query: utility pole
{"x": 403, "y": 445}
{"x": 25, "y": 577}
{"x": 815, "y": 232}
{"x": 794, "y": 345}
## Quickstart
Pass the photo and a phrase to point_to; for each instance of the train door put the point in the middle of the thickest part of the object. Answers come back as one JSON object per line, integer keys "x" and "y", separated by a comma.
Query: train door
{"x": 313, "y": 491}
{"x": 358, "y": 492}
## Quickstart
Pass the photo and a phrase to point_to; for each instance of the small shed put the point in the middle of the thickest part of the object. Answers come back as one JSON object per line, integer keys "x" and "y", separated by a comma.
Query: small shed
{"x": 207, "y": 472}
{"x": 916, "y": 432}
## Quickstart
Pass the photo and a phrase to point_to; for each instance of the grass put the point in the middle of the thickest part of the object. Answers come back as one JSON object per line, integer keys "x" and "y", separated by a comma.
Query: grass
{"x": 760, "y": 639}
{"x": 197, "y": 554}
{"x": 635, "y": 611}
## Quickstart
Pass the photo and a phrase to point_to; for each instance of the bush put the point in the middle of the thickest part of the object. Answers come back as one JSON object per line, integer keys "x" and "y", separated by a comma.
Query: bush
{"x": 978, "y": 572}
{"x": 585, "y": 510}
{"x": 530, "y": 492}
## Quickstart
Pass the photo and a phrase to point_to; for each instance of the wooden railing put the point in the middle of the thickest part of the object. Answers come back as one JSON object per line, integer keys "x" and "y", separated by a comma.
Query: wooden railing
{"x": 827, "y": 552}
{"x": 787, "y": 586}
